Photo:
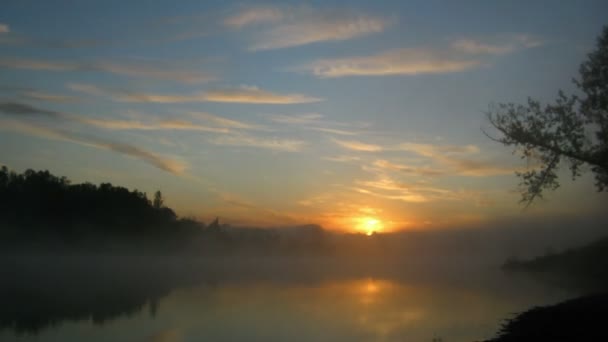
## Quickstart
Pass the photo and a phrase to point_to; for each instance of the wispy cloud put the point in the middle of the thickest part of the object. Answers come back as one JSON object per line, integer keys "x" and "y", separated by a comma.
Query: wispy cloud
{"x": 162, "y": 71}
{"x": 176, "y": 125}
{"x": 388, "y": 189}
{"x": 427, "y": 150}
{"x": 282, "y": 27}
{"x": 286, "y": 145}
{"x": 342, "y": 159}
{"x": 140, "y": 69}
{"x": 252, "y": 94}
{"x": 358, "y": 146}
{"x": 244, "y": 94}
{"x": 430, "y": 150}
{"x": 458, "y": 56}
{"x": 387, "y": 186}
{"x": 21, "y": 109}
{"x": 308, "y": 118}
{"x": 43, "y": 96}
{"x": 224, "y": 122}
{"x": 4, "y": 28}
{"x": 414, "y": 170}
{"x": 254, "y": 16}
{"x": 331, "y": 130}
{"x": 158, "y": 161}
{"x": 496, "y": 46}
{"x": 478, "y": 168}
{"x": 448, "y": 159}
{"x": 410, "y": 61}
{"x": 312, "y": 122}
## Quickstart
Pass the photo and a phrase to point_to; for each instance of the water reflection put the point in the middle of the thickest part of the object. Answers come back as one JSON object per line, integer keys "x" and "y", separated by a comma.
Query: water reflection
{"x": 147, "y": 300}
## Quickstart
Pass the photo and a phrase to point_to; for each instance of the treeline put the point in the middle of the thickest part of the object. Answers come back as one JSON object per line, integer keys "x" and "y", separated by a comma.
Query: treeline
{"x": 41, "y": 210}
{"x": 585, "y": 265}
{"x": 37, "y": 203}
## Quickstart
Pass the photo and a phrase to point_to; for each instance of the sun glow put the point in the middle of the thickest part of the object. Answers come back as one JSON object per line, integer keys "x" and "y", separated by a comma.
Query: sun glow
{"x": 370, "y": 225}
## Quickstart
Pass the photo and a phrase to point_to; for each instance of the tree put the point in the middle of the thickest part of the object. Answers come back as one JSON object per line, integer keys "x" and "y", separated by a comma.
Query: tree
{"x": 158, "y": 200}
{"x": 571, "y": 131}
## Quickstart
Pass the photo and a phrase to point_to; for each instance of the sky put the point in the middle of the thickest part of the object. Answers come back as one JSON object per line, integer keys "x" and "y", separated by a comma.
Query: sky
{"x": 353, "y": 115}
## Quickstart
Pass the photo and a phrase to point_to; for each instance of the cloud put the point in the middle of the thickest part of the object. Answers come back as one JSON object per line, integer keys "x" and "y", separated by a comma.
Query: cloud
{"x": 404, "y": 195}
{"x": 478, "y": 168}
{"x": 16, "y": 108}
{"x": 254, "y": 16}
{"x": 310, "y": 121}
{"x": 141, "y": 69}
{"x": 161, "y": 71}
{"x": 245, "y": 94}
{"x": 20, "y": 109}
{"x": 342, "y": 159}
{"x": 307, "y": 118}
{"x": 358, "y": 146}
{"x": 295, "y": 26}
{"x": 224, "y": 122}
{"x": 460, "y": 55}
{"x": 165, "y": 164}
{"x": 429, "y": 150}
{"x": 4, "y": 28}
{"x": 448, "y": 157}
{"x": 31, "y": 64}
{"x": 178, "y": 125}
{"x": 497, "y": 46}
{"x": 252, "y": 94}
{"x": 420, "y": 171}
{"x": 286, "y": 145}
{"x": 410, "y": 61}
{"x": 384, "y": 186}
{"x": 37, "y": 95}
{"x": 331, "y": 130}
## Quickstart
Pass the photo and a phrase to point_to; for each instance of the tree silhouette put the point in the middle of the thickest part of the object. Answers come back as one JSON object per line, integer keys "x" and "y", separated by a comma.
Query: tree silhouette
{"x": 39, "y": 204}
{"x": 158, "y": 200}
{"x": 573, "y": 130}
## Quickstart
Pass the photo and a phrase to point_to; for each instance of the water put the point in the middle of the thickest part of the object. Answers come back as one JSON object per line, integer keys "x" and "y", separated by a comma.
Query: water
{"x": 302, "y": 300}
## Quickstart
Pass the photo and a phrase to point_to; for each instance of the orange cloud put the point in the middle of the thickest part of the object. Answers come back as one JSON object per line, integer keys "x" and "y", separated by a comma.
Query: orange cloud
{"x": 358, "y": 146}
{"x": 244, "y": 94}
{"x": 460, "y": 55}
{"x": 282, "y": 27}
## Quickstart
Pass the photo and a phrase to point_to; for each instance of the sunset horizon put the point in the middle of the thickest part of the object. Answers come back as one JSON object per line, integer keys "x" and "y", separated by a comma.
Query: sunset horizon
{"x": 288, "y": 114}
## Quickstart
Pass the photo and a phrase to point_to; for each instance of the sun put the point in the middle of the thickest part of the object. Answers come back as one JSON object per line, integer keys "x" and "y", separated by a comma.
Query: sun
{"x": 371, "y": 225}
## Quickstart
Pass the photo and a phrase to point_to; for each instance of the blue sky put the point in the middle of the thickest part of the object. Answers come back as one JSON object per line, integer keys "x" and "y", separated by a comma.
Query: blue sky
{"x": 274, "y": 113}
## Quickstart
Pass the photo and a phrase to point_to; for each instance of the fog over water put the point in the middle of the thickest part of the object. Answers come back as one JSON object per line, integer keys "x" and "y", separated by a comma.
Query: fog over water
{"x": 412, "y": 286}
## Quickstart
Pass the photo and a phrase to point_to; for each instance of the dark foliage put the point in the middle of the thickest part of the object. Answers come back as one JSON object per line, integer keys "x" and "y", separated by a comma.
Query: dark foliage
{"x": 573, "y": 130}
{"x": 44, "y": 212}
{"x": 583, "y": 266}
{"x": 37, "y": 204}
{"x": 580, "y": 319}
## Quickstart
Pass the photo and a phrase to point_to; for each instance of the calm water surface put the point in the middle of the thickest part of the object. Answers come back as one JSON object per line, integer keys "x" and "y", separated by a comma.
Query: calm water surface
{"x": 419, "y": 306}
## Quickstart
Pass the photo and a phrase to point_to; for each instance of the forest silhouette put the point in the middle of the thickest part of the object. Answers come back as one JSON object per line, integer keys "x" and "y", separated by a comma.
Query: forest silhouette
{"x": 37, "y": 200}
{"x": 43, "y": 212}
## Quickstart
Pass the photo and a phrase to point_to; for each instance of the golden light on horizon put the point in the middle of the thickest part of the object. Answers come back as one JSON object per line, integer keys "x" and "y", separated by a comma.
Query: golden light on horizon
{"x": 370, "y": 225}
